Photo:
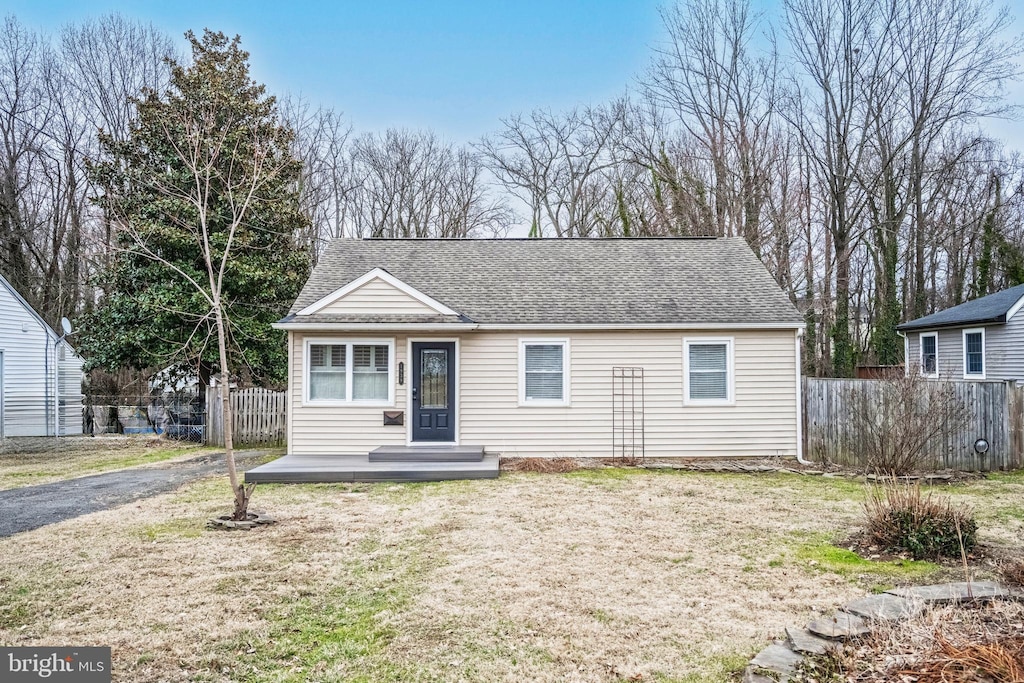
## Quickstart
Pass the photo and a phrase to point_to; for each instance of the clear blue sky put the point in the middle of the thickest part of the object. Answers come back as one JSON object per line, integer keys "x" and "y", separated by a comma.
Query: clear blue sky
{"x": 456, "y": 66}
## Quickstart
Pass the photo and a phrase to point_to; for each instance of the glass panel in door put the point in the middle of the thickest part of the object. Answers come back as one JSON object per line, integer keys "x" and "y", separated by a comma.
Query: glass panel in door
{"x": 434, "y": 378}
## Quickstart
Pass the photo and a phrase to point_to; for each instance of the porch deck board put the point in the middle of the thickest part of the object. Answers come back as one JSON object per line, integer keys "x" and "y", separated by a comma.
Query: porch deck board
{"x": 358, "y": 468}
{"x": 427, "y": 453}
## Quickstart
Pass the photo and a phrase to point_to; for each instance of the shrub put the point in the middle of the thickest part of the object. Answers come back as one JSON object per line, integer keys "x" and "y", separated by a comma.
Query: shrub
{"x": 897, "y": 420}
{"x": 901, "y": 518}
{"x": 543, "y": 465}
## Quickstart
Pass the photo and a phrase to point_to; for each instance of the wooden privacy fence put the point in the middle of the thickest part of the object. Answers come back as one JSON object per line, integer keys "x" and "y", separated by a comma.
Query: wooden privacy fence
{"x": 838, "y": 414}
{"x": 260, "y": 417}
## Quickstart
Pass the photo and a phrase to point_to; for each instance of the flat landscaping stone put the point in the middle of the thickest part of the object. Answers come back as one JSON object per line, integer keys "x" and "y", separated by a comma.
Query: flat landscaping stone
{"x": 750, "y": 675}
{"x": 885, "y": 607}
{"x": 840, "y": 626}
{"x": 777, "y": 658}
{"x": 802, "y": 640}
{"x": 952, "y": 592}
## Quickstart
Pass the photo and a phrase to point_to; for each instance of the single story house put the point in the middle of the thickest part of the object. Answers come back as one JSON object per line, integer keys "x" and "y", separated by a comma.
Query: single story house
{"x": 982, "y": 339}
{"x": 40, "y": 374}
{"x": 663, "y": 347}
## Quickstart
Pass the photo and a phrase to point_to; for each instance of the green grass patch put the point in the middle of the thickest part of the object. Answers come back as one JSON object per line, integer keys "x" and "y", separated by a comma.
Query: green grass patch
{"x": 822, "y": 488}
{"x": 148, "y": 458}
{"x": 173, "y": 529}
{"x": 605, "y": 477}
{"x": 1013, "y": 477}
{"x": 824, "y": 556}
{"x": 712, "y": 669}
{"x": 16, "y": 606}
{"x": 18, "y": 470}
{"x": 342, "y": 634}
{"x": 25, "y": 600}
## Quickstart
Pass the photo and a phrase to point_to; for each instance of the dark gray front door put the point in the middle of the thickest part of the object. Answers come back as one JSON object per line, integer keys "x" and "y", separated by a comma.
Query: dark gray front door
{"x": 433, "y": 391}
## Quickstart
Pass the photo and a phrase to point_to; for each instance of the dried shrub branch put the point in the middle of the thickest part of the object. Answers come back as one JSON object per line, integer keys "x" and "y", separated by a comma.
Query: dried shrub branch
{"x": 953, "y": 662}
{"x": 901, "y": 518}
{"x": 542, "y": 465}
{"x": 898, "y": 419}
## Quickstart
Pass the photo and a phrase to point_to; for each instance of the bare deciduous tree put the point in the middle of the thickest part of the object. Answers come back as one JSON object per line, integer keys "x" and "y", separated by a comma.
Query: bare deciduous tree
{"x": 328, "y": 178}
{"x": 553, "y": 163}
{"x": 412, "y": 184}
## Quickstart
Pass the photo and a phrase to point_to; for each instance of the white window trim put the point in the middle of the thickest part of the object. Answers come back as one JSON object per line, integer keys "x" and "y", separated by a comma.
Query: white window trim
{"x": 920, "y": 354}
{"x": 566, "y": 368}
{"x": 730, "y": 383}
{"x": 349, "y": 401}
{"x": 984, "y": 359}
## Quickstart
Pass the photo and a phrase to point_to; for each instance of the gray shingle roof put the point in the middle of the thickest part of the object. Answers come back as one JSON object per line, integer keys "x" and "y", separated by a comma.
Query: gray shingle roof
{"x": 991, "y": 309}
{"x": 573, "y": 281}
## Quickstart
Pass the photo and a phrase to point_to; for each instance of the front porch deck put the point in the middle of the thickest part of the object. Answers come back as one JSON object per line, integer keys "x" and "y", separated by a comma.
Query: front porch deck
{"x": 360, "y": 468}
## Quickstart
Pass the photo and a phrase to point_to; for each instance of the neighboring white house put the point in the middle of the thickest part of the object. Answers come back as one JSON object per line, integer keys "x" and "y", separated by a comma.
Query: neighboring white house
{"x": 978, "y": 340}
{"x": 40, "y": 375}
{"x": 520, "y": 346}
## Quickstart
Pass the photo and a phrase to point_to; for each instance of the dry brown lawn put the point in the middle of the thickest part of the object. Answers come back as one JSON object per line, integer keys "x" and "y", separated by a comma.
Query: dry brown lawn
{"x": 39, "y": 460}
{"x": 587, "y": 576}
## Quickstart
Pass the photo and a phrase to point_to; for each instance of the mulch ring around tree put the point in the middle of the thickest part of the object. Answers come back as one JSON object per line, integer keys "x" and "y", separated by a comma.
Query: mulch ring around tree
{"x": 252, "y": 520}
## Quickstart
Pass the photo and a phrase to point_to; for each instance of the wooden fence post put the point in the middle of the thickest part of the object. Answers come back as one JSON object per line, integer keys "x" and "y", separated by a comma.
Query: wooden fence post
{"x": 260, "y": 416}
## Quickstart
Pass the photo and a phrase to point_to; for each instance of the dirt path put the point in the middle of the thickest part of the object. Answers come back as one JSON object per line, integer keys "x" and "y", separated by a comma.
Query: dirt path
{"x": 30, "y": 507}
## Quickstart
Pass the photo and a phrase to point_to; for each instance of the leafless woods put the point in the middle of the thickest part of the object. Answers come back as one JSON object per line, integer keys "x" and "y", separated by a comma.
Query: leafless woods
{"x": 844, "y": 140}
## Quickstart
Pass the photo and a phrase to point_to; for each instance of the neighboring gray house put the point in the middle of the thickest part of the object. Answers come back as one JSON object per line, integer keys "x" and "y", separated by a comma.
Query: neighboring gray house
{"x": 514, "y": 345}
{"x": 40, "y": 375}
{"x": 982, "y": 339}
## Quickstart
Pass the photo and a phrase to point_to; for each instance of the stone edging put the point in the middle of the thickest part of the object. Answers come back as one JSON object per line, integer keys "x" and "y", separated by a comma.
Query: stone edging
{"x": 741, "y": 467}
{"x": 779, "y": 660}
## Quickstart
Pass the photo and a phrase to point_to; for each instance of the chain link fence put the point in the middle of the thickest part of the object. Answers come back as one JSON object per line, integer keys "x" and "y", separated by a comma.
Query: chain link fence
{"x": 176, "y": 416}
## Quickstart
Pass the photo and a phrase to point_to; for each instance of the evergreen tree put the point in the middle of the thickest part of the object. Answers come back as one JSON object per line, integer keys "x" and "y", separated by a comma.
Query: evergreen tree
{"x": 205, "y": 172}
{"x": 203, "y": 193}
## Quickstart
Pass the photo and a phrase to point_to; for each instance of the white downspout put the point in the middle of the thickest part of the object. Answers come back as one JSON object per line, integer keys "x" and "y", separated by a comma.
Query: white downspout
{"x": 906, "y": 352}
{"x": 799, "y": 401}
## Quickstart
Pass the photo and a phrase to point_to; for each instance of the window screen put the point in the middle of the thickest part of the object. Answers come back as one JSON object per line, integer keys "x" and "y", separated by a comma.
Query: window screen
{"x": 974, "y": 353}
{"x": 709, "y": 372}
{"x": 544, "y": 379}
{"x": 327, "y": 372}
{"x": 928, "y": 354}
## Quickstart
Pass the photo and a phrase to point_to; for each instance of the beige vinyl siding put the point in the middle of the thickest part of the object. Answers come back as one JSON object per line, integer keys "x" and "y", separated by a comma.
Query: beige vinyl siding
{"x": 341, "y": 430}
{"x": 378, "y": 298}
{"x": 762, "y": 422}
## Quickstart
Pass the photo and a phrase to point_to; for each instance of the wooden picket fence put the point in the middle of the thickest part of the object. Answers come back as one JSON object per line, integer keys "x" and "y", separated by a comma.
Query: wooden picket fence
{"x": 833, "y": 432}
{"x": 260, "y": 417}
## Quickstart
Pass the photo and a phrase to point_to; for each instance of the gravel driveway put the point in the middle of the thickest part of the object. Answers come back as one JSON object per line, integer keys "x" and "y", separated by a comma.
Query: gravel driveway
{"x": 30, "y": 507}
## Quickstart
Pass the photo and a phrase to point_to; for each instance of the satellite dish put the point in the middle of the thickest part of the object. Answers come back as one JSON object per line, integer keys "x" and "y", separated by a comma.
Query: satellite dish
{"x": 65, "y": 325}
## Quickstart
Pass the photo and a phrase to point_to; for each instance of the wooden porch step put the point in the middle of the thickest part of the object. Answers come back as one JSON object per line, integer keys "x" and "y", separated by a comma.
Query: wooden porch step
{"x": 349, "y": 468}
{"x": 427, "y": 454}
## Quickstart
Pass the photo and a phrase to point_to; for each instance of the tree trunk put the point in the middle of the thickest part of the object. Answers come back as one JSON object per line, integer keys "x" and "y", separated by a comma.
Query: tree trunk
{"x": 240, "y": 492}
